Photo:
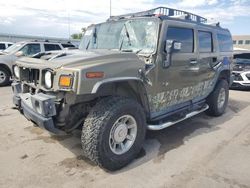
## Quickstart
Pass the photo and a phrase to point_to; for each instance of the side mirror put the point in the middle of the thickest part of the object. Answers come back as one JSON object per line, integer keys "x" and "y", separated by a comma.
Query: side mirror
{"x": 176, "y": 46}
{"x": 171, "y": 46}
{"x": 19, "y": 54}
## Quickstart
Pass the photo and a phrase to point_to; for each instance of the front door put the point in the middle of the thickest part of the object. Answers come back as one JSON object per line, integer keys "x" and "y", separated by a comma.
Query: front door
{"x": 177, "y": 84}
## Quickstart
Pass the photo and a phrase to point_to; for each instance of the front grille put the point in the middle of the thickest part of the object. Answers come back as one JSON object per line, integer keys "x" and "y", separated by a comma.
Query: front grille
{"x": 29, "y": 75}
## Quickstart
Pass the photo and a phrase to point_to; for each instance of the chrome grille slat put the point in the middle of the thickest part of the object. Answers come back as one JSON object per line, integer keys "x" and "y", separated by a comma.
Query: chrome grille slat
{"x": 29, "y": 75}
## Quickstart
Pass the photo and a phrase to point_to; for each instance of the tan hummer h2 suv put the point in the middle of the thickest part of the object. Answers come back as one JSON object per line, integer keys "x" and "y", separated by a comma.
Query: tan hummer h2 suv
{"x": 132, "y": 73}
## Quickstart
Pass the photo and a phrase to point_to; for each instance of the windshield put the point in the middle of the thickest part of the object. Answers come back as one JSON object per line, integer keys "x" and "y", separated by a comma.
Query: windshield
{"x": 126, "y": 35}
{"x": 14, "y": 48}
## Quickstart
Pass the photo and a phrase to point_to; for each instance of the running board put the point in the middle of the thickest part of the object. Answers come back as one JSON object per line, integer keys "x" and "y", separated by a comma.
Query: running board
{"x": 168, "y": 124}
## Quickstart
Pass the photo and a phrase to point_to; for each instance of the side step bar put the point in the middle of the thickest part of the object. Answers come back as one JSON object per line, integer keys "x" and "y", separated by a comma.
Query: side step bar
{"x": 168, "y": 124}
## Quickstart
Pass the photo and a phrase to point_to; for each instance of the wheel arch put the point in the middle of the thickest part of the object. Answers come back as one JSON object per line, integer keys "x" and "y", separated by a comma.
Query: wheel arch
{"x": 225, "y": 75}
{"x": 126, "y": 87}
{"x": 6, "y": 67}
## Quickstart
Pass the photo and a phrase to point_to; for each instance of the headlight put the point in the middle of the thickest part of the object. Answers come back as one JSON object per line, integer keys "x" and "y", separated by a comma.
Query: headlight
{"x": 48, "y": 79}
{"x": 16, "y": 71}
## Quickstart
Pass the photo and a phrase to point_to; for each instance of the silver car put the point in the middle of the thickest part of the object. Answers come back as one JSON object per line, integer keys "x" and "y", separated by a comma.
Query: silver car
{"x": 241, "y": 70}
{"x": 26, "y": 48}
{"x": 4, "y": 45}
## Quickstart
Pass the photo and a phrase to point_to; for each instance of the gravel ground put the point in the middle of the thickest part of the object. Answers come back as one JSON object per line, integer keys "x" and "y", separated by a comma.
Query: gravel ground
{"x": 199, "y": 152}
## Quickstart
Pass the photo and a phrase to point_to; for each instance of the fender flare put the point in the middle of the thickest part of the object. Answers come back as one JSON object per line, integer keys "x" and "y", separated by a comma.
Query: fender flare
{"x": 110, "y": 80}
{"x": 144, "y": 98}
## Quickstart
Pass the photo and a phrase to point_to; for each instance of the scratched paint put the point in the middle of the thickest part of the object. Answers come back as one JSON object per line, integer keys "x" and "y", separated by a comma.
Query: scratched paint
{"x": 162, "y": 100}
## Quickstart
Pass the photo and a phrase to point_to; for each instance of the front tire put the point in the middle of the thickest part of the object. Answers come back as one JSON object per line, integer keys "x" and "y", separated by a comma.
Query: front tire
{"x": 4, "y": 77}
{"x": 113, "y": 132}
{"x": 218, "y": 99}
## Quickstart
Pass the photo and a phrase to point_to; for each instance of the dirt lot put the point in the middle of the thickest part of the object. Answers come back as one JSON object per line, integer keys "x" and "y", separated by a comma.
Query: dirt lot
{"x": 200, "y": 152}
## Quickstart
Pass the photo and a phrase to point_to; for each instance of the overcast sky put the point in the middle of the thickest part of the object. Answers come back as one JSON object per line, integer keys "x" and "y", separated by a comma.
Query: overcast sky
{"x": 52, "y": 17}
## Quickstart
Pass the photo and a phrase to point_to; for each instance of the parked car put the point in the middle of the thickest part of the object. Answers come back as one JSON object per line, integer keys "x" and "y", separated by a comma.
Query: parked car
{"x": 4, "y": 45}
{"x": 146, "y": 70}
{"x": 69, "y": 45}
{"x": 241, "y": 70}
{"x": 26, "y": 48}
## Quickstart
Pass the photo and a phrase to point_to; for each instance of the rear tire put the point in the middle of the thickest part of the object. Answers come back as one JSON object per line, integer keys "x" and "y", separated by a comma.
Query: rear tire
{"x": 218, "y": 99}
{"x": 113, "y": 132}
{"x": 4, "y": 77}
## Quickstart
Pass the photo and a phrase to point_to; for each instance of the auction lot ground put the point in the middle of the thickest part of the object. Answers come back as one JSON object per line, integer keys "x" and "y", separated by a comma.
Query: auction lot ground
{"x": 200, "y": 152}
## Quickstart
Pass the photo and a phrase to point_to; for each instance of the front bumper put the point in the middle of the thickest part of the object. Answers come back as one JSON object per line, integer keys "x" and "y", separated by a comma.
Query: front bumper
{"x": 243, "y": 82}
{"x": 38, "y": 108}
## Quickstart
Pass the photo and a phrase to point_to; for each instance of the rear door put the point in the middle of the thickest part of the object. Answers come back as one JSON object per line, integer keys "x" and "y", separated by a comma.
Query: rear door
{"x": 207, "y": 56}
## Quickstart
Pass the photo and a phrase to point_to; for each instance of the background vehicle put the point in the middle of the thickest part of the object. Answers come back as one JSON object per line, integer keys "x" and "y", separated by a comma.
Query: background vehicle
{"x": 69, "y": 45}
{"x": 26, "y": 48}
{"x": 241, "y": 70}
{"x": 4, "y": 45}
{"x": 157, "y": 69}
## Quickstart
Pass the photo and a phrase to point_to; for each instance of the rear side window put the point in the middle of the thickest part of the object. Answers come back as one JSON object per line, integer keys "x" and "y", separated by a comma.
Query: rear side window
{"x": 2, "y": 46}
{"x": 51, "y": 47}
{"x": 9, "y": 45}
{"x": 205, "y": 41}
{"x": 225, "y": 43}
{"x": 68, "y": 45}
{"x": 183, "y": 35}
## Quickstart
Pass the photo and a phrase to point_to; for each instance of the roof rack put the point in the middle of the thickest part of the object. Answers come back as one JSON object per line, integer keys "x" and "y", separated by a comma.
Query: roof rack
{"x": 162, "y": 11}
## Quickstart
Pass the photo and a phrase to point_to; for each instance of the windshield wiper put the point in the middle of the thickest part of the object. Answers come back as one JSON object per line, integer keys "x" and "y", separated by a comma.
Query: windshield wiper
{"x": 127, "y": 35}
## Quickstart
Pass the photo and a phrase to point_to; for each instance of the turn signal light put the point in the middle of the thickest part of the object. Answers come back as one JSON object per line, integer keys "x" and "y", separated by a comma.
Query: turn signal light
{"x": 94, "y": 74}
{"x": 65, "y": 81}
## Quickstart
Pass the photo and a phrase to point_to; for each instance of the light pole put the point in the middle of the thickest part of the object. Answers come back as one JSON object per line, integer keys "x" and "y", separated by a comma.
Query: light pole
{"x": 110, "y": 7}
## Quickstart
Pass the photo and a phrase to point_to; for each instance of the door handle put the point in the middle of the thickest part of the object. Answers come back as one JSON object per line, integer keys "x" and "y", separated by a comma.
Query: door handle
{"x": 193, "y": 61}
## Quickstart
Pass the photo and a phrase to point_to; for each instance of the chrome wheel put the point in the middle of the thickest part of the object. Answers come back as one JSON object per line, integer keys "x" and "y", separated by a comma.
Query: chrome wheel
{"x": 2, "y": 76}
{"x": 221, "y": 98}
{"x": 123, "y": 134}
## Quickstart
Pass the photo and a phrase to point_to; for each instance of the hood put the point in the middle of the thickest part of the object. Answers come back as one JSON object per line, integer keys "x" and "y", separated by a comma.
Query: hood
{"x": 79, "y": 58}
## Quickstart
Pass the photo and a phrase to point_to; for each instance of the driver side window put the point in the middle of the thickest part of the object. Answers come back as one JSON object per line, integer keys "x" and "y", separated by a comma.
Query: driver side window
{"x": 183, "y": 35}
{"x": 31, "y": 49}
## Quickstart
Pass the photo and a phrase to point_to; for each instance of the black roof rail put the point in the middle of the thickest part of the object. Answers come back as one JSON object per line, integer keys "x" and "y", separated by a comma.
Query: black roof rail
{"x": 162, "y": 11}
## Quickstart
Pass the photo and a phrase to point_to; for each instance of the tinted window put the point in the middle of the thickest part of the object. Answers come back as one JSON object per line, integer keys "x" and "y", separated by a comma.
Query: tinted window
{"x": 225, "y": 43}
{"x": 183, "y": 35}
{"x": 9, "y": 45}
{"x": 2, "y": 46}
{"x": 68, "y": 45}
{"x": 51, "y": 47}
{"x": 247, "y": 42}
{"x": 205, "y": 41}
{"x": 31, "y": 49}
{"x": 240, "y": 42}
{"x": 234, "y": 41}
